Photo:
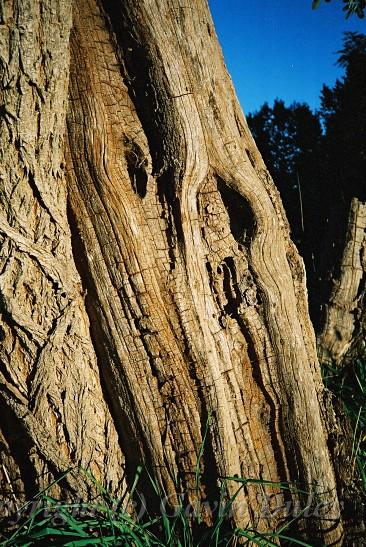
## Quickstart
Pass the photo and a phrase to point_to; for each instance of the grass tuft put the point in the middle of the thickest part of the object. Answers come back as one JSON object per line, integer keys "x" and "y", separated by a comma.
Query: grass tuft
{"x": 348, "y": 383}
{"x": 46, "y": 521}
{"x": 105, "y": 521}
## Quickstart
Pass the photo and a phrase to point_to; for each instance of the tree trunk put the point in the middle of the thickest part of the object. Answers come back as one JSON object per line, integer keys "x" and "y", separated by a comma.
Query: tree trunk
{"x": 340, "y": 343}
{"x": 345, "y": 312}
{"x": 148, "y": 280}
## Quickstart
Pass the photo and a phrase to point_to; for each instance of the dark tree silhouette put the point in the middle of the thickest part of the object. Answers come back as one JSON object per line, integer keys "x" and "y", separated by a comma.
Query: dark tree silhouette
{"x": 343, "y": 115}
{"x": 290, "y": 140}
{"x": 319, "y": 172}
{"x": 350, "y": 7}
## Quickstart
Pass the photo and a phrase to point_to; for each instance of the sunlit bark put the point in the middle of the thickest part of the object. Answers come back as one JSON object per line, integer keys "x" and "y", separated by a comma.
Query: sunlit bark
{"x": 171, "y": 243}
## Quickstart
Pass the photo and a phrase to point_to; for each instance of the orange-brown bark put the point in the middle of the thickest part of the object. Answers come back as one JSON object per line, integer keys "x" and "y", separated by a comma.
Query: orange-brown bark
{"x": 193, "y": 290}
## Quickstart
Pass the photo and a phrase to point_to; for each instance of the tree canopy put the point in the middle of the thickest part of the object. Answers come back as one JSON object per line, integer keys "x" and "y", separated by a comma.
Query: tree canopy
{"x": 350, "y": 7}
{"x": 343, "y": 114}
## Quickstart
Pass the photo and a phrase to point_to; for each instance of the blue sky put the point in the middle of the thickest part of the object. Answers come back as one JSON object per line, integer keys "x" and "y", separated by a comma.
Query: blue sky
{"x": 281, "y": 48}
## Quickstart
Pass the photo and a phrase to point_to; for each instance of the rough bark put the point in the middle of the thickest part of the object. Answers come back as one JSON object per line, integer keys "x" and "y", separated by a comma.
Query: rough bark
{"x": 193, "y": 289}
{"x": 340, "y": 343}
{"x": 345, "y": 313}
{"x": 53, "y": 412}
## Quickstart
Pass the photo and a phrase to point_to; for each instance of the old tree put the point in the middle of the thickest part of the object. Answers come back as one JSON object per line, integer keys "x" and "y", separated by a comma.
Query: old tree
{"x": 147, "y": 276}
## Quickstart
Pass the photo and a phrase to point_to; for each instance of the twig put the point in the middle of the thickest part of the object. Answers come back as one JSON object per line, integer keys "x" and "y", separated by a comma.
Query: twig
{"x": 11, "y": 486}
{"x": 300, "y": 198}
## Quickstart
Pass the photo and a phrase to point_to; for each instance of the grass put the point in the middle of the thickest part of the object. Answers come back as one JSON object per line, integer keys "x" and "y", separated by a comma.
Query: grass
{"x": 106, "y": 521}
{"x": 348, "y": 383}
{"x": 45, "y": 521}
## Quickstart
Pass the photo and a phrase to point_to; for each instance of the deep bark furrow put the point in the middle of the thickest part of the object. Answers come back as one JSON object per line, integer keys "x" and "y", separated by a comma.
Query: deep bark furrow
{"x": 184, "y": 133}
{"x": 133, "y": 274}
{"x": 169, "y": 244}
{"x": 46, "y": 347}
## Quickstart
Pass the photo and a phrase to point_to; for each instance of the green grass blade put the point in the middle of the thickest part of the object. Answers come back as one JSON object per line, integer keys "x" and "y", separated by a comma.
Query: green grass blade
{"x": 294, "y": 540}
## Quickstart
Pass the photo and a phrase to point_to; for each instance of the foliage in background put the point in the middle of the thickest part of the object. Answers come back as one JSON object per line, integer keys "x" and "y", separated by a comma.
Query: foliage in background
{"x": 318, "y": 162}
{"x": 289, "y": 139}
{"x": 343, "y": 113}
{"x": 350, "y": 7}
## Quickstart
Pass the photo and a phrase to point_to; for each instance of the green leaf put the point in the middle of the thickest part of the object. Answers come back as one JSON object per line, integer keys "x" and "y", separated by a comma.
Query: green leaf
{"x": 50, "y": 531}
{"x": 73, "y": 524}
{"x": 293, "y": 540}
{"x": 256, "y": 538}
{"x": 315, "y": 4}
{"x": 90, "y": 541}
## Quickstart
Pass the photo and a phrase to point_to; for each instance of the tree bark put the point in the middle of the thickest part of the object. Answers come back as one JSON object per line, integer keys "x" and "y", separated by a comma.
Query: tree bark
{"x": 53, "y": 412}
{"x": 160, "y": 285}
{"x": 340, "y": 343}
{"x": 345, "y": 312}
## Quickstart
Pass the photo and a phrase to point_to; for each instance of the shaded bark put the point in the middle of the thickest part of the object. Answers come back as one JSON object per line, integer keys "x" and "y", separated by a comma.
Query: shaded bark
{"x": 194, "y": 293}
{"x": 340, "y": 343}
{"x": 345, "y": 313}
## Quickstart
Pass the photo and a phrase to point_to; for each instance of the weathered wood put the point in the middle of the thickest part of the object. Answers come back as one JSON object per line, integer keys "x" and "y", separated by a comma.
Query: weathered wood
{"x": 341, "y": 342}
{"x": 194, "y": 291}
{"x": 52, "y": 410}
{"x": 344, "y": 313}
